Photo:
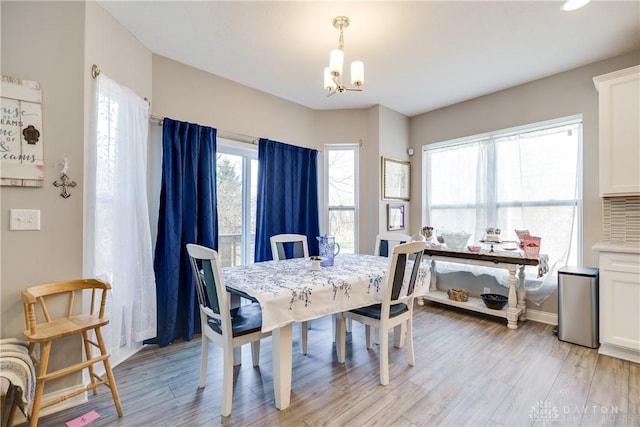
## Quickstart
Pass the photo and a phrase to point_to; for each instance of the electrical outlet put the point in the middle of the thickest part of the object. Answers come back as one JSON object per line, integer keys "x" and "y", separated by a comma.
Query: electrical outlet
{"x": 24, "y": 219}
{"x": 487, "y": 290}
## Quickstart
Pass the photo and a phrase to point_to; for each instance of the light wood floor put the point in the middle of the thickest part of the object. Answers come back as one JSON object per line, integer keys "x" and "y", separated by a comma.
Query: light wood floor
{"x": 470, "y": 370}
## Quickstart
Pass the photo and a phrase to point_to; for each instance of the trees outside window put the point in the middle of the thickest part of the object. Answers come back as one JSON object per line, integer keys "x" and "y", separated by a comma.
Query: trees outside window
{"x": 341, "y": 184}
{"x": 236, "y": 180}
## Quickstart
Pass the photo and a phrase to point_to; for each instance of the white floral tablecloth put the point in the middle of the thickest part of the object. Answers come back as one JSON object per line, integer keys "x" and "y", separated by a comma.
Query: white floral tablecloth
{"x": 289, "y": 291}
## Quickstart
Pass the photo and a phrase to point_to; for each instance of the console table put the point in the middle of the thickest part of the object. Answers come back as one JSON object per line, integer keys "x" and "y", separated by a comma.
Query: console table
{"x": 516, "y": 307}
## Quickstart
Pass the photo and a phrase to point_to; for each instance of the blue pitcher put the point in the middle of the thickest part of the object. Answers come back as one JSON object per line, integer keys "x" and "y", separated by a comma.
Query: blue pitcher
{"x": 328, "y": 249}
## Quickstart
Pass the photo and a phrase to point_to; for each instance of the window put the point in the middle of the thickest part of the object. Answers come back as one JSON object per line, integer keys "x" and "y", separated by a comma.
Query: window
{"x": 524, "y": 178}
{"x": 341, "y": 194}
{"x": 236, "y": 180}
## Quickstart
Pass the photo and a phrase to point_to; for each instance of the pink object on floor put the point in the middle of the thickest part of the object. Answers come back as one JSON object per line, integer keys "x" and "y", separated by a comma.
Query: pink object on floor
{"x": 83, "y": 420}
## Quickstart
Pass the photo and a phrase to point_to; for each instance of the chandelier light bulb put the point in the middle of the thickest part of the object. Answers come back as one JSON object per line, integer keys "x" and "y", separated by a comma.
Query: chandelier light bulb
{"x": 329, "y": 83}
{"x": 357, "y": 73}
{"x": 336, "y": 59}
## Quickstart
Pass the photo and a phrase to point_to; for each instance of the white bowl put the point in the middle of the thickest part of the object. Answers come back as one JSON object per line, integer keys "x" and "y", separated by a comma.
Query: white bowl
{"x": 457, "y": 240}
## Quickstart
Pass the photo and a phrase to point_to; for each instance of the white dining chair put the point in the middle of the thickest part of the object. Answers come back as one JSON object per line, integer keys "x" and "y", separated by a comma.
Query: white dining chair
{"x": 297, "y": 247}
{"x": 228, "y": 328}
{"x": 385, "y": 242}
{"x": 293, "y": 244}
{"x": 395, "y": 310}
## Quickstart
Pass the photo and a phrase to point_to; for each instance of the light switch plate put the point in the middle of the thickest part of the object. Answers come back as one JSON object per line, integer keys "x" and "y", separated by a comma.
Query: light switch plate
{"x": 487, "y": 290}
{"x": 24, "y": 219}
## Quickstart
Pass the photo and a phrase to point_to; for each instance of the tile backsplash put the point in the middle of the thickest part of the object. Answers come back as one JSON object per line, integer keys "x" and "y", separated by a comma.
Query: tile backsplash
{"x": 621, "y": 220}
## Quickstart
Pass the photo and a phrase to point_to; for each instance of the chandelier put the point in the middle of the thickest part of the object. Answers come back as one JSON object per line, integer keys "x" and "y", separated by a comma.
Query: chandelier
{"x": 333, "y": 73}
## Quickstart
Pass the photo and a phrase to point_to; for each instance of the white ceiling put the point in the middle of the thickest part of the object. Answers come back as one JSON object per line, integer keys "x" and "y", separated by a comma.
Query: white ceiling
{"x": 418, "y": 55}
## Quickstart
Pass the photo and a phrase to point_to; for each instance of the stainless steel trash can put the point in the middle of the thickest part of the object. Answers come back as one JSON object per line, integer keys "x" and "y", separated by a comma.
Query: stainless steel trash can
{"x": 578, "y": 306}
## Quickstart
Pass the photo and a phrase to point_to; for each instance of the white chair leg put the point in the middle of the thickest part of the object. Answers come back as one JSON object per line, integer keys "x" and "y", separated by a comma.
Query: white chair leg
{"x": 410, "y": 354}
{"x": 368, "y": 330}
{"x": 234, "y": 302}
{"x": 383, "y": 338}
{"x": 227, "y": 381}
{"x": 237, "y": 356}
{"x": 349, "y": 325}
{"x": 399, "y": 333}
{"x": 304, "y": 332}
{"x": 255, "y": 353}
{"x": 204, "y": 359}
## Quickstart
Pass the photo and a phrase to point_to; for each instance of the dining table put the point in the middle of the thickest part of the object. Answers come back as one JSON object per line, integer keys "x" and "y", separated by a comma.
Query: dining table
{"x": 292, "y": 291}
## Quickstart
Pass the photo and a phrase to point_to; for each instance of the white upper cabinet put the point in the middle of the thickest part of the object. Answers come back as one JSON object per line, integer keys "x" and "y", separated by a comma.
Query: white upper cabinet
{"x": 619, "y": 103}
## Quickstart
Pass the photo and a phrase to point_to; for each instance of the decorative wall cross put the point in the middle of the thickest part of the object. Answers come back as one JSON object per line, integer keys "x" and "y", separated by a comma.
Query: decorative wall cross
{"x": 65, "y": 183}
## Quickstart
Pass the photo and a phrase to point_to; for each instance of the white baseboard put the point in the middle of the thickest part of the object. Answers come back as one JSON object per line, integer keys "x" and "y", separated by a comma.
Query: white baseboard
{"x": 542, "y": 317}
{"x": 65, "y": 404}
{"x": 619, "y": 352}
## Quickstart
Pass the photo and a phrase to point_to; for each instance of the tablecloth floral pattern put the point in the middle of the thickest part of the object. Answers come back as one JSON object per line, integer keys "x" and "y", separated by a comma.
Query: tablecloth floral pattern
{"x": 289, "y": 291}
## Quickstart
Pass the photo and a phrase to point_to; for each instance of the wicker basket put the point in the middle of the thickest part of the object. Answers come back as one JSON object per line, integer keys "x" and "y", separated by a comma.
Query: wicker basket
{"x": 461, "y": 295}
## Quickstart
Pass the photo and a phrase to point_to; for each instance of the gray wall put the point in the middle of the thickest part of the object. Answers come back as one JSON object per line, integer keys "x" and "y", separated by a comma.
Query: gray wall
{"x": 44, "y": 42}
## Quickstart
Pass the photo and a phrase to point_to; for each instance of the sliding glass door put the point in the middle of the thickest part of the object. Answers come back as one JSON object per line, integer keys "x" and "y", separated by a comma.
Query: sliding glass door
{"x": 237, "y": 177}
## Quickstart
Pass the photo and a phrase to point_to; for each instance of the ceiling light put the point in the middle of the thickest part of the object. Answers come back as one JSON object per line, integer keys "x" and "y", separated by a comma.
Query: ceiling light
{"x": 574, "y": 4}
{"x": 333, "y": 73}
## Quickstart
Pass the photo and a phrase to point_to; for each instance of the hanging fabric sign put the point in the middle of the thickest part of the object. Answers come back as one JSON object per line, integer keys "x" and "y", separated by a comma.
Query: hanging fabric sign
{"x": 21, "y": 143}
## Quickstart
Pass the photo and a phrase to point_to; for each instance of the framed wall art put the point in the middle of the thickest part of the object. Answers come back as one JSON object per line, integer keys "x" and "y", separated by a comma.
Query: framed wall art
{"x": 395, "y": 216}
{"x": 396, "y": 179}
{"x": 21, "y": 142}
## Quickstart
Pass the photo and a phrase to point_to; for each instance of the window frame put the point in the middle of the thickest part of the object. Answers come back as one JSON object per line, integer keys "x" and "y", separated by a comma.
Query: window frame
{"x": 248, "y": 153}
{"x": 533, "y": 127}
{"x": 355, "y": 147}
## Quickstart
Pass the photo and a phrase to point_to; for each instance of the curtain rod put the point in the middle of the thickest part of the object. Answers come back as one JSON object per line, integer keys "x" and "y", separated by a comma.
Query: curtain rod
{"x": 234, "y": 136}
{"x": 95, "y": 72}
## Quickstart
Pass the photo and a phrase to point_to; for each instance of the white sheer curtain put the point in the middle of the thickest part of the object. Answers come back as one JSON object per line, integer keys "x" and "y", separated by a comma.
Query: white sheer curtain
{"x": 118, "y": 238}
{"x": 516, "y": 180}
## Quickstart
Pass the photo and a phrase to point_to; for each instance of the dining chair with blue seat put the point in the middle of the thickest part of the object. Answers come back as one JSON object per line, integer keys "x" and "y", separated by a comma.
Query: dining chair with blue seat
{"x": 286, "y": 246}
{"x": 394, "y": 311}
{"x": 228, "y": 328}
